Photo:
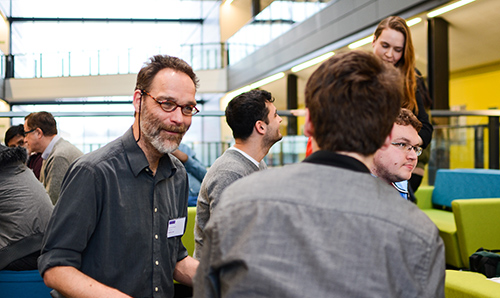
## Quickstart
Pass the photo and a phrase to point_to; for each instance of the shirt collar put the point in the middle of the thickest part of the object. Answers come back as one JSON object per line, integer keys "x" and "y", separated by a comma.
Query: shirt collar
{"x": 333, "y": 159}
{"x": 246, "y": 155}
{"x": 402, "y": 187}
{"x": 138, "y": 161}
{"x": 49, "y": 148}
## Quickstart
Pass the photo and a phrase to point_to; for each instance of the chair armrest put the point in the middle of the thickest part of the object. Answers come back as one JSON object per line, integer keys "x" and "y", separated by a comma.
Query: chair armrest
{"x": 424, "y": 197}
{"x": 188, "y": 237}
{"x": 478, "y": 225}
{"x": 465, "y": 284}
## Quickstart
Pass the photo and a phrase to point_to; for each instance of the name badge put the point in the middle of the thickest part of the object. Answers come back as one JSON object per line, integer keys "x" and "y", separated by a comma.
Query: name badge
{"x": 176, "y": 227}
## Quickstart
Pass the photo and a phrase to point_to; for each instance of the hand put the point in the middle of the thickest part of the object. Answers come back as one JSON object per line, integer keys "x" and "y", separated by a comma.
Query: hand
{"x": 71, "y": 282}
{"x": 298, "y": 112}
{"x": 180, "y": 155}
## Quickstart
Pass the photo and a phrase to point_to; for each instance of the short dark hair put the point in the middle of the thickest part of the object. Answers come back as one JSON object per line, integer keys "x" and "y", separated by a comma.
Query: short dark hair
{"x": 406, "y": 117}
{"x": 16, "y": 130}
{"x": 353, "y": 100}
{"x": 158, "y": 62}
{"x": 43, "y": 120}
{"x": 245, "y": 109}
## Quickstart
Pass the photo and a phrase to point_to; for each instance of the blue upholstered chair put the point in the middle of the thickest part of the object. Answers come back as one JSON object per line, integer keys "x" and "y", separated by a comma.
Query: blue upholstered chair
{"x": 22, "y": 284}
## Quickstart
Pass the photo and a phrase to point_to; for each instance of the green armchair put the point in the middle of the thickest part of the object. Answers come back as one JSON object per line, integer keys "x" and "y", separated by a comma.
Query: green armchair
{"x": 464, "y": 284}
{"x": 478, "y": 225}
{"x": 465, "y": 206}
{"x": 473, "y": 223}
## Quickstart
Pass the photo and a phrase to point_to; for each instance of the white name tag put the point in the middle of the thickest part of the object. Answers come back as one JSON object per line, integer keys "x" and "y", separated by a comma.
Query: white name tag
{"x": 176, "y": 227}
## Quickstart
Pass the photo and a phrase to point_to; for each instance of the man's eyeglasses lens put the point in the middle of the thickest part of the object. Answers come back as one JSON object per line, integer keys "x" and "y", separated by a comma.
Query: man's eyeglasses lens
{"x": 408, "y": 147}
{"x": 170, "y": 106}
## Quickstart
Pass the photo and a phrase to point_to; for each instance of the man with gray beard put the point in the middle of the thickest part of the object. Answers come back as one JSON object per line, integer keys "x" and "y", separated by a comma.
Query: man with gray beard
{"x": 117, "y": 227}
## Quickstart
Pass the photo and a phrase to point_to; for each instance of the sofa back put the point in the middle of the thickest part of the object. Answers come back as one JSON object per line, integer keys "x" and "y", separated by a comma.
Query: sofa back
{"x": 464, "y": 184}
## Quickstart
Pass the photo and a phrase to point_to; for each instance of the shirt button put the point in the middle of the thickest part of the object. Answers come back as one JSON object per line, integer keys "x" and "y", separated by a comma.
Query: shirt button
{"x": 156, "y": 236}
{"x": 156, "y": 289}
{"x": 156, "y": 209}
{"x": 157, "y": 263}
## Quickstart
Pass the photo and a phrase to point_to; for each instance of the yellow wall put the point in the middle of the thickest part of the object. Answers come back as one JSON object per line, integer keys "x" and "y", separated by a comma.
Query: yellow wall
{"x": 473, "y": 89}
{"x": 478, "y": 89}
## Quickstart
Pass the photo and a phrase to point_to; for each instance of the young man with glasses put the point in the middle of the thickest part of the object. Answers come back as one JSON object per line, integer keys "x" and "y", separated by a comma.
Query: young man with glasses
{"x": 116, "y": 230}
{"x": 394, "y": 164}
{"x": 326, "y": 227}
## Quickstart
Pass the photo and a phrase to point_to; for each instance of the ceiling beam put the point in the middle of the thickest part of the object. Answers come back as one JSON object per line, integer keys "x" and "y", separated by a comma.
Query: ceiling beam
{"x": 109, "y": 20}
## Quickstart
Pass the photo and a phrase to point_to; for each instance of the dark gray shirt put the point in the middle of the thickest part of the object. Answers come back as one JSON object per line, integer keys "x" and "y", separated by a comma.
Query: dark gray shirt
{"x": 112, "y": 218}
{"x": 25, "y": 207}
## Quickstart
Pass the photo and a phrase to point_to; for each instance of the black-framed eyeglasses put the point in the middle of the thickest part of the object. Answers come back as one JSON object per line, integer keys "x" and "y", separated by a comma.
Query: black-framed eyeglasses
{"x": 408, "y": 147}
{"x": 29, "y": 131}
{"x": 170, "y": 106}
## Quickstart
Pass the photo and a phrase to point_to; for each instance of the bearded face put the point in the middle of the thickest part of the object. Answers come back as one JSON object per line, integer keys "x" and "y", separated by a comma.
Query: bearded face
{"x": 157, "y": 133}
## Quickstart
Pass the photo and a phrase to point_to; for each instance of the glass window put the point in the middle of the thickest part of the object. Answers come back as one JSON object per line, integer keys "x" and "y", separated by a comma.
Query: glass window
{"x": 276, "y": 19}
{"x": 46, "y": 47}
{"x": 91, "y": 132}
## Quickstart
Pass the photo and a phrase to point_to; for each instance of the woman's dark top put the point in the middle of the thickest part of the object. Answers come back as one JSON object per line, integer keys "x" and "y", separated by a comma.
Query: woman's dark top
{"x": 421, "y": 93}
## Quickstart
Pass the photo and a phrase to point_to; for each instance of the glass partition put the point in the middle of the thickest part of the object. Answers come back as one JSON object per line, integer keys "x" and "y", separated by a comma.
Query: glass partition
{"x": 468, "y": 139}
{"x": 90, "y": 123}
{"x": 465, "y": 139}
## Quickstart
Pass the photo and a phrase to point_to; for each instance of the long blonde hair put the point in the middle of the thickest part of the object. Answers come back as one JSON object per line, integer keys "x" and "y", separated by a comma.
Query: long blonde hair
{"x": 407, "y": 62}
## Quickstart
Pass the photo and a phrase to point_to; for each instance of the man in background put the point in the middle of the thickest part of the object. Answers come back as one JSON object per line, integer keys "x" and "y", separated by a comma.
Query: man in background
{"x": 395, "y": 164}
{"x": 326, "y": 227}
{"x": 196, "y": 171}
{"x": 57, "y": 153}
{"x": 255, "y": 123}
{"x": 14, "y": 136}
{"x": 25, "y": 210}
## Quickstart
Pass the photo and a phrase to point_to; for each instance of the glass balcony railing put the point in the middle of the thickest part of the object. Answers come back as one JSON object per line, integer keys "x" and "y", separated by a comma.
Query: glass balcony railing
{"x": 109, "y": 62}
{"x": 465, "y": 139}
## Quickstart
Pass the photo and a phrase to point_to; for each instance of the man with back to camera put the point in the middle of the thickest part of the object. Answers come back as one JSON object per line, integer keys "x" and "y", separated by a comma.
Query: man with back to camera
{"x": 394, "y": 164}
{"x": 14, "y": 136}
{"x": 116, "y": 230}
{"x": 326, "y": 227}
{"x": 57, "y": 153}
{"x": 25, "y": 210}
{"x": 255, "y": 123}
